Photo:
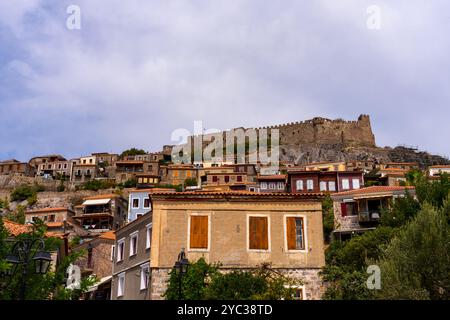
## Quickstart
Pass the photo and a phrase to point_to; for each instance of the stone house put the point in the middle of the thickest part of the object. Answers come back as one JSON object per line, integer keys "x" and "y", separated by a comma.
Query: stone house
{"x": 36, "y": 161}
{"x": 13, "y": 166}
{"x": 435, "y": 171}
{"x": 145, "y": 180}
{"x": 358, "y": 211}
{"x": 178, "y": 174}
{"x": 55, "y": 169}
{"x": 101, "y": 213}
{"x": 58, "y": 220}
{"x": 129, "y": 169}
{"x": 241, "y": 230}
{"x": 98, "y": 261}
{"x": 131, "y": 266}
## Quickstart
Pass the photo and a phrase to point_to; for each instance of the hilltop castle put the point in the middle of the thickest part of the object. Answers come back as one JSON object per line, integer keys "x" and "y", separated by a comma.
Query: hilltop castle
{"x": 325, "y": 131}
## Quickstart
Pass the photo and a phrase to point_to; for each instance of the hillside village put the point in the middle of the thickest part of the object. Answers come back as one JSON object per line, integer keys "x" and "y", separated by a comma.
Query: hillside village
{"x": 136, "y": 211}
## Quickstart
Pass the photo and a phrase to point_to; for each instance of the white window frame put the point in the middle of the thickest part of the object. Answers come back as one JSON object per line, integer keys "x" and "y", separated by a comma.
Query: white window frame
{"x": 345, "y": 184}
{"x": 121, "y": 284}
{"x": 189, "y": 231}
{"x": 143, "y": 203}
{"x": 263, "y": 185}
{"x": 305, "y": 230}
{"x": 272, "y": 185}
{"x": 132, "y": 236}
{"x": 331, "y": 185}
{"x": 148, "y": 236}
{"x": 269, "y": 247}
{"x": 357, "y": 183}
{"x": 138, "y": 203}
{"x": 302, "y": 287}
{"x": 280, "y": 185}
{"x": 113, "y": 252}
{"x": 299, "y": 185}
{"x": 120, "y": 253}
{"x": 309, "y": 182}
{"x": 323, "y": 186}
{"x": 144, "y": 285}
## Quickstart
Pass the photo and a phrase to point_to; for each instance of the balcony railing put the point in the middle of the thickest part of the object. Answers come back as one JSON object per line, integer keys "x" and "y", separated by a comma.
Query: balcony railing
{"x": 369, "y": 216}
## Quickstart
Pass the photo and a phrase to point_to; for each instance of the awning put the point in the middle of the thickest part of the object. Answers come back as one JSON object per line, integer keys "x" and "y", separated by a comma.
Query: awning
{"x": 96, "y": 201}
{"x": 102, "y": 281}
{"x": 388, "y": 195}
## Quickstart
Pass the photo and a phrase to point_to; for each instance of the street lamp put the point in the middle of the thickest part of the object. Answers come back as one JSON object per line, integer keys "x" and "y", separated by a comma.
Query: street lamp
{"x": 181, "y": 266}
{"x": 22, "y": 254}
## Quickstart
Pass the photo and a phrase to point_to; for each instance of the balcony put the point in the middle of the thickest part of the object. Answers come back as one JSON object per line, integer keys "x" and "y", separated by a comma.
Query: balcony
{"x": 369, "y": 218}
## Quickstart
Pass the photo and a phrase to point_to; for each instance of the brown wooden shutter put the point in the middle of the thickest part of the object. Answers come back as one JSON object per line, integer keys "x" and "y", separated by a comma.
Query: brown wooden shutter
{"x": 290, "y": 233}
{"x": 199, "y": 232}
{"x": 259, "y": 237}
{"x": 343, "y": 209}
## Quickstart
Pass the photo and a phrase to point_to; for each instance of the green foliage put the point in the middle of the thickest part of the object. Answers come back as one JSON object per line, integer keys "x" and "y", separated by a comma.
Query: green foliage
{"x": 204, "y": 281}
{"x": 236, "y": 285}
{"x": 433, "y": 192}
{"x": 400, "y": 212}
{"x": 32, "y": 200}
{"x": 416, "y": 264}
{"x": 130, "y": 183}
{"x": 38, "y": 287}
{"x": 132, "y": 152}
{"x": 25, "y": 192}
{"x": 193, "y": 284}
{"x": 96, "y": 185}
{"x": 327, "y": 217}
{"x": 75, "y": 241}
{"x": 18, "y": 215}
{"x": 190, "y": 182}
{"x": 345, "y": 285}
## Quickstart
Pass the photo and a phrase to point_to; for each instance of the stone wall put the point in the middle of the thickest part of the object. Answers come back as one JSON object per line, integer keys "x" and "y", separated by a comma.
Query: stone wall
{"x": 314, "y": 287}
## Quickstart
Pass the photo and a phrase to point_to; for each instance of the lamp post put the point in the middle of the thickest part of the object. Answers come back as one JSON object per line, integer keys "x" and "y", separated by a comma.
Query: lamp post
{"x": 25, "y": 252}
{"x": 181, "y": 266}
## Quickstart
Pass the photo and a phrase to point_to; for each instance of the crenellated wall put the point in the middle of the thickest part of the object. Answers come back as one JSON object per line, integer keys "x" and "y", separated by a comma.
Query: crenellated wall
{"x": 325, "y": 131}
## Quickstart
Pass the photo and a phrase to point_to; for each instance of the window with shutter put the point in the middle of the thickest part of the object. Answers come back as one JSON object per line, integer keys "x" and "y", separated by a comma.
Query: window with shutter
{"x": 199, "y": 232}
{"x": 343, "y": 209}
{"x": 295, "y": 233}
{"x": 258, "y": 233}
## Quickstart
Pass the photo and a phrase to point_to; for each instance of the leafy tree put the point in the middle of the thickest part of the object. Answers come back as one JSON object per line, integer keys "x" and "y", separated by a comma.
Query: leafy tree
{"x": 132, "y": 152}
{"x": 96, "y": 185}
{"x": 327, "y": 217}
{"x": 205, "y": 281}
{"x": 130, "y": 183}
{"x": 190, "y": 182}
{"x": 416, "y": 264}
{"x": 401, "y": 210}
{"x": 192, "y": 284}
{"x": 39, "y": 287}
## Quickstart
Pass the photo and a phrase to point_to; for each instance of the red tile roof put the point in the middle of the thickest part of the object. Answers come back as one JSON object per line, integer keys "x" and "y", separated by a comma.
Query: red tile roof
{"x": 15, "y": 228}
{"x": 47, "y": 210}
{"x": 441, "y": 166}
{"x": 272, "y": 177}
{"x": 110, "y": 235}
{"x": 238, "y": 193}
{"x": 373, "y": 189}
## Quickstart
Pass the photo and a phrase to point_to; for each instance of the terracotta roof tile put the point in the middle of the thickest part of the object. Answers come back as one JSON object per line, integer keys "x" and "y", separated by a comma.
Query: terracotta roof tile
{"x": 373, "y": 189}
{"x": 48, "y": 210}
{"x": 272, "y": 177}
{"x": 110, "y": 235}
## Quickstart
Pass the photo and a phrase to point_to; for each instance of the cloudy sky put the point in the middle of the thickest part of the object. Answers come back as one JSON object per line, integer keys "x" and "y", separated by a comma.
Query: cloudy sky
{"x": 137, "y": 70}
